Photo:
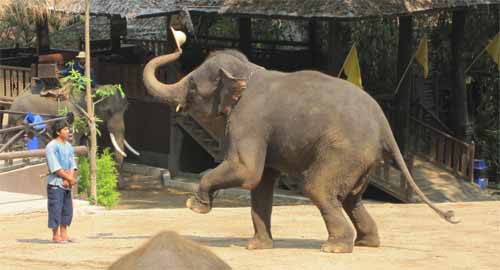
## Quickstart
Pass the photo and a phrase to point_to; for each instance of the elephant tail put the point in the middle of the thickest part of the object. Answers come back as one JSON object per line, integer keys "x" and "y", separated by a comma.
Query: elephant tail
{"x": 394, "y": 149}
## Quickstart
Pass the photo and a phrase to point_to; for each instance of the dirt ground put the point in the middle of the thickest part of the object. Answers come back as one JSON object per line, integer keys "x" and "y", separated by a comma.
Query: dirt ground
{"x": 413, "y": 237}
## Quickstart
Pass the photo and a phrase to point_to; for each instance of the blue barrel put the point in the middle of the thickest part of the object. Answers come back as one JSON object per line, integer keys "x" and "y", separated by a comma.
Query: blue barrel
{"x": 480, "y": 173}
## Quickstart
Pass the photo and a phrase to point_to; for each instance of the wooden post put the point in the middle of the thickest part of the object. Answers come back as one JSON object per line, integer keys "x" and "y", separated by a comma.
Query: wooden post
{"x": 118, "y": 28}
{"x": 336, "y": 47}
{"x": 313, "y": 43}
{"x": 90, "y": 108}
{"x": 42, "y": 37}
{"x": 175, "y": 149}
{"x": 402, "y": 98}
{"x": 458, "y": 112}
{"x": 245, "y": 32}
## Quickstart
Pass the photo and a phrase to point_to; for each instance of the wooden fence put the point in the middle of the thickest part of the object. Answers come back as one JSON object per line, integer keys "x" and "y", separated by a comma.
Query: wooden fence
{"x": 442, "y": 149}
{"x": 13, "y": 80}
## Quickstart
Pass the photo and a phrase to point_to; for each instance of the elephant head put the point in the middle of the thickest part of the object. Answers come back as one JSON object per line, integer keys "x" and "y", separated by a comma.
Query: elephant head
{"x": 112, "y": 110}
{"x": 212, "y": 88}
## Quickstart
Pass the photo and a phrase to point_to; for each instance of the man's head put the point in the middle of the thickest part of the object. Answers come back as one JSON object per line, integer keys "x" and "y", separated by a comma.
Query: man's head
{"x": 81, "y": 58}
{"x": 60, "y": 130}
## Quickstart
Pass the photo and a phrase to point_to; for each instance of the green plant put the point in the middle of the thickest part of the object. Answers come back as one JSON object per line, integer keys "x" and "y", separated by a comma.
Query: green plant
{"x": 84, "y": 174}
{"x": 106, "y": 177}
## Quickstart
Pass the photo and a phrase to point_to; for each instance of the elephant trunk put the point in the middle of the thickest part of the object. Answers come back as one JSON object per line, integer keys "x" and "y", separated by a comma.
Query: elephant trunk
{"x": 170, "y": 93}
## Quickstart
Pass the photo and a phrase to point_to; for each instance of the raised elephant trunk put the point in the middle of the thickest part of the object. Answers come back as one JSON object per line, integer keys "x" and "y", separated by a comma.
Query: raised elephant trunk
{"x": 171, "y": 93}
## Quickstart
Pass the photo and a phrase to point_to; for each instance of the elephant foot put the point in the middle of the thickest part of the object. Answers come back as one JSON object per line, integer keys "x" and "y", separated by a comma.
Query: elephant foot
{"x": 256, "y": 243}
{"x": 337, "y": 246}
{"x": 368, "y": 241}
{"x": 196, "y": 206}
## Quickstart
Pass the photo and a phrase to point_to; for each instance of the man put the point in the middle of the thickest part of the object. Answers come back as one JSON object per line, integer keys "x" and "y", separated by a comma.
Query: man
{"x": 79, "y": 66}
{"x": 62, "y": 175}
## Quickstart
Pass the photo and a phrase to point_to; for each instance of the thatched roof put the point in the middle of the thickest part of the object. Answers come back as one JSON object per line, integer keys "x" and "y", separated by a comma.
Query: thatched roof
{"x": 124, "y": 8}
{"x": 328, "y": 8}
{"x": 283, "y": 8}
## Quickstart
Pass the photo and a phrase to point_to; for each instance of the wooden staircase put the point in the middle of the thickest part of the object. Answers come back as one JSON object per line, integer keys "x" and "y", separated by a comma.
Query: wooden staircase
{"x": 206, "y": 138}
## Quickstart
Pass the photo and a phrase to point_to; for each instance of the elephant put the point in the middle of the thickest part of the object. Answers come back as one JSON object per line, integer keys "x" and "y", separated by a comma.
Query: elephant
{"x": 110, "y": 110}
{"x": 324, "y": 130}
{"x": 169, "y": 250}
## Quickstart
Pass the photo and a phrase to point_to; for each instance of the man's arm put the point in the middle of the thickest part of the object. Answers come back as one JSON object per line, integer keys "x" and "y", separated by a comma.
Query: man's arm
{"x": 66, "y": 175}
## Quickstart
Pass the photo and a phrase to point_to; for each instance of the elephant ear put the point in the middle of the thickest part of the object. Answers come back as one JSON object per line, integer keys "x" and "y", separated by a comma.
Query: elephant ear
{"x": 232, "y": 86}
{"x": 231, "y": 90}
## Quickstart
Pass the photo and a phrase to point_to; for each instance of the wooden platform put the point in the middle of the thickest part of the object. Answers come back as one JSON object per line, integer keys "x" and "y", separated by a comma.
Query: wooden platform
{"x": 438, "y": 184}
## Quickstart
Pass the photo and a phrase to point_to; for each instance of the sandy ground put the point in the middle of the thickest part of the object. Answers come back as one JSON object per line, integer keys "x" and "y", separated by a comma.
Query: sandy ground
{"x": 413, "y": 237}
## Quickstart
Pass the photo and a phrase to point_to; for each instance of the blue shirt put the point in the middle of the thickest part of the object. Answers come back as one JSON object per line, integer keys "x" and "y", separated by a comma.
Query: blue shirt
{"x": 59, "y": 156}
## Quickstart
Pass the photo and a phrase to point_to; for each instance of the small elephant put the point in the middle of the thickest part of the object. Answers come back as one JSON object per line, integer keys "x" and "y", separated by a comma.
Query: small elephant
{"x": 322, "y": 129}
{"x": 110, "y": 110}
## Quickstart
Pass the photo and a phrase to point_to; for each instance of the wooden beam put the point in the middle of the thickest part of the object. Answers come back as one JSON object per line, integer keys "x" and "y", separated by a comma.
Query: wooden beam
{"x": 459, "y": 117}
{"x": 313, "y": 42}
{"x": 118, "y": 28}
{"x": 245, "y": 33}
{"x": 402, "y": 99}
{"x": 336, "y": 47}
{"x": 42, "y": 37}
{"x": 78, "y": 150}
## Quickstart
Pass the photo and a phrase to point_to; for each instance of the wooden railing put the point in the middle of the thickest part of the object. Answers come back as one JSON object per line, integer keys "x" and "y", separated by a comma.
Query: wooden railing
{"x": 443, "y": 149}
{"x": 392, "y": 180}
{"x": 13, "y": 80}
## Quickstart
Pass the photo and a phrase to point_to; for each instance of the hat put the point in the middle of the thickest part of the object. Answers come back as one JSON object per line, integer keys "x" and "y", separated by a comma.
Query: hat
{"x": 81, "y": 55}
{"x": 180, "y": 37}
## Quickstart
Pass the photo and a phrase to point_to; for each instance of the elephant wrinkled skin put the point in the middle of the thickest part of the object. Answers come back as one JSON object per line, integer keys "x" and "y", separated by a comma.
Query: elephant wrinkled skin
{"x": 325, "y": 130}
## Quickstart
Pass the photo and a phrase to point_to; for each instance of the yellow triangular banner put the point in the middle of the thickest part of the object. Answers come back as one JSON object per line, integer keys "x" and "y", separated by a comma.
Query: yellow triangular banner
{"x": 351, "y": 67}
{"x": 493, "y": 49}
{"x": 422, "y": 55}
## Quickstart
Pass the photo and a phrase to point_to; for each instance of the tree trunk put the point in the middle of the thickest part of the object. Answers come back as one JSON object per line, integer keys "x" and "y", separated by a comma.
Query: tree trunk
{"x": 459, "y": 117}
{"x": 402, "y": 98}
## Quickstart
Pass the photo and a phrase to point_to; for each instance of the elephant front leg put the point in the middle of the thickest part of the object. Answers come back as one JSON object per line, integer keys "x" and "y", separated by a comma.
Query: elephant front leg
{"x": 228, "y": 174}
{"x": 262, "y": 204}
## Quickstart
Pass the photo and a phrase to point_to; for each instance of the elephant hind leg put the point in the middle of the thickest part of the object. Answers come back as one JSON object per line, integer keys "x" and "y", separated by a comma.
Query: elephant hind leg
{"x": 322, "y": 186}
{"x": 366, "y": 229}
{"x": 262, "y": 204}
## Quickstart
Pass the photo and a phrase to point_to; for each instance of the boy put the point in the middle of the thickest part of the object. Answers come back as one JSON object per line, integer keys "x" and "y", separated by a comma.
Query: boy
{"x": 62, "y": 175}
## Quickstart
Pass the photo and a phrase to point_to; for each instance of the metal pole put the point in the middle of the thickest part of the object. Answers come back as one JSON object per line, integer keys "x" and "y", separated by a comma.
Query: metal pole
{"x": 90, "y": 107}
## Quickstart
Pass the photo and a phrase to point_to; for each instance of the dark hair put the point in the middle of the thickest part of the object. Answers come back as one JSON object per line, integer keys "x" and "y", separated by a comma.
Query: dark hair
{"x": 57, "y": 127}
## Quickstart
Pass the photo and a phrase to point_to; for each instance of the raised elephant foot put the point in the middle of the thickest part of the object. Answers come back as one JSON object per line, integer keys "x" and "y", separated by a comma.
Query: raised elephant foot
{"x": 337, "y": 246}
{"x": 368, "y": 241}
{"x": 197, "y": 206}
{"x": 256, "y": 243}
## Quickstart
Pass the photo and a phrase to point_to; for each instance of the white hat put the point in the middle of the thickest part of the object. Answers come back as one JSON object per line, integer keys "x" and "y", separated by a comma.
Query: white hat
{"x": 179, "y": 36}
{"x": 81, "y": 55}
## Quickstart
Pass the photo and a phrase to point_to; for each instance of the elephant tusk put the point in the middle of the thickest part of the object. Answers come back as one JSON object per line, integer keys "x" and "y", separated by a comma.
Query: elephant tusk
{"x": 178, "y": 108}
{"x": 131, "y": 148}
{"x": 115, "y": 144}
